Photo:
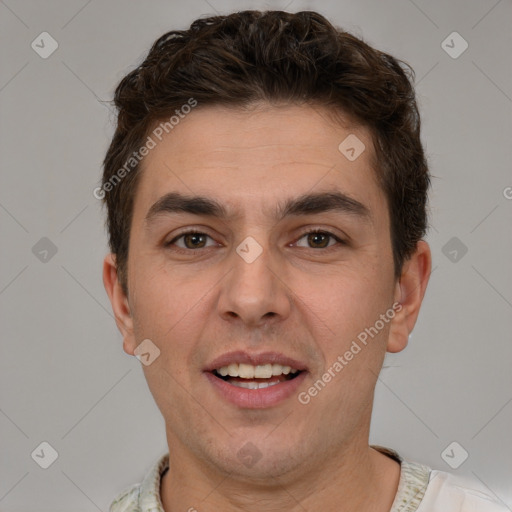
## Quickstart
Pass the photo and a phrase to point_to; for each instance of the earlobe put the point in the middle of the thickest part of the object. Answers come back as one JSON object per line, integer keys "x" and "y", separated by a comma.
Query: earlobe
{"x": 119, "y": 302}
{"x": 409, "y": 292}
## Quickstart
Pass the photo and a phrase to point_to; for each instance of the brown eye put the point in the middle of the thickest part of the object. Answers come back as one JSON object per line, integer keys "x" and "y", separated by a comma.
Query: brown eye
{"x": 320, "y": 239}
{"x": 194, "y": 240}
{"x": 191, "y": 240}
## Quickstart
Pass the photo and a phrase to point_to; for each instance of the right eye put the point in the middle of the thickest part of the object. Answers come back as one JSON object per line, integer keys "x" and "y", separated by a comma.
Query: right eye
{"x": 192, "y": 239}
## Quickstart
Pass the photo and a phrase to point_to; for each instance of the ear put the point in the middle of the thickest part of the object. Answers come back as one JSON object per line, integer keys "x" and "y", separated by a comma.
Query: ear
{"x": 119, "y": 301}
{"x": 409, "y": 292}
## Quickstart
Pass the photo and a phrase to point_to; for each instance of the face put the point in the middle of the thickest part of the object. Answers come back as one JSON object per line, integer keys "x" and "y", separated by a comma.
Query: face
{"x": 284, "y": 263}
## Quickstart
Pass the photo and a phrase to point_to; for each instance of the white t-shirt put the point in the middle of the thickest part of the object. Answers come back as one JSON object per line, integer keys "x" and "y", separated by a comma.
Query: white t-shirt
{"x": 449, "y": 492}
{"x": 420, "y": 489}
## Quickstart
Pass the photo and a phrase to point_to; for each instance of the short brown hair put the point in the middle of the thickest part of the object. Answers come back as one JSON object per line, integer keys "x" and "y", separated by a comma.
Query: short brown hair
{"x": 299, "y": 58}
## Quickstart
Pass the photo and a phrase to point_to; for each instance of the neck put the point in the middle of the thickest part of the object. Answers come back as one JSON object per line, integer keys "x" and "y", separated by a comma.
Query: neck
{"x": 354, "y": 478}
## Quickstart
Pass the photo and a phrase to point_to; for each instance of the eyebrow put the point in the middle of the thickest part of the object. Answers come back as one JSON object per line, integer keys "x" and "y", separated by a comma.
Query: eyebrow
{"x": 306, "y": 204}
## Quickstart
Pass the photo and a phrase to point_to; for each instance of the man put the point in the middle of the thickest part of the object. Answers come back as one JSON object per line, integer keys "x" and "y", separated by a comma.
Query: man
{"x": 266, "y": 191}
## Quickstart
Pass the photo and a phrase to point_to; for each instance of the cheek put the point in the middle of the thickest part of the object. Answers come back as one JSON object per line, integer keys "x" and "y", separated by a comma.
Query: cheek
{"x": 347, "y": 302}
{"x": 166, "y": 311}
{"x": 171, "y": 309}
{"x": 352, "y": 340}
{"x": 158, "y": 300}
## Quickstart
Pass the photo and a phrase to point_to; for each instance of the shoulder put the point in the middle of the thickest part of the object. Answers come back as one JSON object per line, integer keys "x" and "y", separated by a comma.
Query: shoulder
{"x": 446, "y": 491}
{"x": 127, "y": 501}
{"x": 146, "y": 495}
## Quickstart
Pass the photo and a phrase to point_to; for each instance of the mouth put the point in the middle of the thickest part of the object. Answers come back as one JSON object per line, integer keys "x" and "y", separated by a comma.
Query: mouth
{"x": 248, "y": 376}
{"x": 255, "y": 381}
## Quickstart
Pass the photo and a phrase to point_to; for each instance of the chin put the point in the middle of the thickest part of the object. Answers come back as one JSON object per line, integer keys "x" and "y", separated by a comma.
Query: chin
{"x": 258, "y": 460}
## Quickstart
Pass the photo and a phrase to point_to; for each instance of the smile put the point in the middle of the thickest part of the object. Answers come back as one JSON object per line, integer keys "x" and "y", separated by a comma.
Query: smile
{"x": 248, "y": 376}
{"x": 255, "y": 386}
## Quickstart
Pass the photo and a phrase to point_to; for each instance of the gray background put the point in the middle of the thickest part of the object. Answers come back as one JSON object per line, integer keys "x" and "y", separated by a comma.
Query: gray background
{"x": 64, "y": 378}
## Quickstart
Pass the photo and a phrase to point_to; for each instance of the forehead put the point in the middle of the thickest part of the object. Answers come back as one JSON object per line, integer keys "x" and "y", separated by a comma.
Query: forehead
{"x": 245, "y": 159}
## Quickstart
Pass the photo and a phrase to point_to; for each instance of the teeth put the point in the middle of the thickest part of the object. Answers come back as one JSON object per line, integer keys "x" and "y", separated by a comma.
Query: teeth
{"x": 263, "y": 372}
{"x": 232, "y": 370}
{"x": 286, "y": 370}
{"x": 253, "y": 384}
{"x": 248, "y": 371}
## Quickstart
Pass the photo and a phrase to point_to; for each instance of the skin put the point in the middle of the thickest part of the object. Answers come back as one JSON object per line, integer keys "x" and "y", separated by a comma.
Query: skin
{"x": 209, "y": 301}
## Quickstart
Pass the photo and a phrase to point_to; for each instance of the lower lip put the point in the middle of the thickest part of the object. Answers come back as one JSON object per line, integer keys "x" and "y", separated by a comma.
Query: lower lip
{"x": 256, "y": 398}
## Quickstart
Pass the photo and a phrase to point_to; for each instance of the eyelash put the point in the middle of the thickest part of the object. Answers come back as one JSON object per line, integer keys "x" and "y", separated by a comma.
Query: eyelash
{"x": 196, "y": 232}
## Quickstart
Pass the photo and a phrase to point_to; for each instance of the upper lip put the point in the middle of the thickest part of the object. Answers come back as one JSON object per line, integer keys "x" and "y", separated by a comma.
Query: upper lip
{"x": 260, "y": 358}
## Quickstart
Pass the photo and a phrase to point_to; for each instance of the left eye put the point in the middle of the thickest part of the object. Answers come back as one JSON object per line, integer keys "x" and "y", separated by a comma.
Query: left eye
{"x": 319, "y": 237}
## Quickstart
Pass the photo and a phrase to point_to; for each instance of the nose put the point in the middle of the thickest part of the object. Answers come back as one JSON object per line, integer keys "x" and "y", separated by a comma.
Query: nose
{"x": 254, "y": 292}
